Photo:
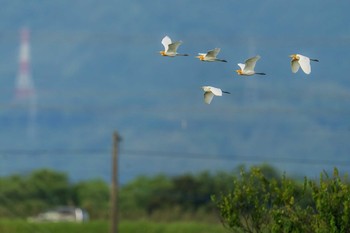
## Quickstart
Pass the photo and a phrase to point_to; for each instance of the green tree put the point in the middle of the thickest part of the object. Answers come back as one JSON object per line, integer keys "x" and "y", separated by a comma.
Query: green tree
{"x": 13, "y": 190}
{"x": 22, "y": 196}
{"x": 185, "y": 192}
{"x": 93, "y": 196}
{"x": 50, "y": 186}
{"x": 144, "y": 195}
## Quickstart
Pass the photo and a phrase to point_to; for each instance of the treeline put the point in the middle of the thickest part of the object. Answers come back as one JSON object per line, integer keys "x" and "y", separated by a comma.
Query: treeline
{"x": 259, "y": 199}
{"x": 161, "y": 196}
{"x": 27, "y": 195}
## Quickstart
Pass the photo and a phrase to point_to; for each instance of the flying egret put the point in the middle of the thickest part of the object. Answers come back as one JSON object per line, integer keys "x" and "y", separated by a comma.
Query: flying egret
{"x": 301, "y": 61}
{"x": 210, "y": 92}
{"x": 170, "y": 48}
{"x": 210, "y": 55}
{"x": 247, "y": 68}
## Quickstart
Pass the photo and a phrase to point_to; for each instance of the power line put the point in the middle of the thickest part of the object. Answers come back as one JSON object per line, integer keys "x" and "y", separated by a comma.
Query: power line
{"x": 152, "y": 154}
{"x": 242, "y": 108}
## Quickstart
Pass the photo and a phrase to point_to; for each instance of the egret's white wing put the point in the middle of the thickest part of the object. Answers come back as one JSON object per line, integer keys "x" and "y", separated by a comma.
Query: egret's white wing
{"x": 216, "y": 91}
{"x": 304, "y": 63}
{"x": 173, "y": 47}
{"x": 213, "y": 53}
{"x": 208, "y": 97}
{"x": 250, "y": 63}
{"x": 294, "y": 65}
{"x": 202, "y": 54}
{"x": 166, "y": 41}
{"x": 242, "y": 66}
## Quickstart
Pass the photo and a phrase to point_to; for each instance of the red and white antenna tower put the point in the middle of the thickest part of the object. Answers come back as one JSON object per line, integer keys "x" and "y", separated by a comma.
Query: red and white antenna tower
{"x": 24, "y": 86}
{"x": 25, "y": 95}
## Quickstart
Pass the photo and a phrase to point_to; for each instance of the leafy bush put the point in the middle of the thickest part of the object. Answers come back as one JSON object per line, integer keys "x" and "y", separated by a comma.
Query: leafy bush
{"x": 260, "y": 204}
{"x": 332, "y": 201}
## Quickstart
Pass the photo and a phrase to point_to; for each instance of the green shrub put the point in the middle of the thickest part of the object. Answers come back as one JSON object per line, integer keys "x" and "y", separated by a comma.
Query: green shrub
{"x": 332, "y": 200}
{"x": 260, "y": 204}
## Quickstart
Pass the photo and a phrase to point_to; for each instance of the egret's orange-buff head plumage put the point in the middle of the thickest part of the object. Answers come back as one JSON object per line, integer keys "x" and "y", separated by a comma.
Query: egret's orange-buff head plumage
{"x": 201, "y": 57}
{"x": 294, "y": 57}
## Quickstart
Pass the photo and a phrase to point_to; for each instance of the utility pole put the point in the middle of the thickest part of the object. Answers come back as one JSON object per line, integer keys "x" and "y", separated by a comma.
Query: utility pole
{"x": 114, "y": 186}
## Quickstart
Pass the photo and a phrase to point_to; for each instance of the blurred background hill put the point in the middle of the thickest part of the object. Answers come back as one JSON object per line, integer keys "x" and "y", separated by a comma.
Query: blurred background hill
{"x": 95, "y": 68}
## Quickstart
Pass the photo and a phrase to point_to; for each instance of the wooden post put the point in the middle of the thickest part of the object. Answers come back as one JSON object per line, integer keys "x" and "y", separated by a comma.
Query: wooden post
{"x": 114, "y": 185}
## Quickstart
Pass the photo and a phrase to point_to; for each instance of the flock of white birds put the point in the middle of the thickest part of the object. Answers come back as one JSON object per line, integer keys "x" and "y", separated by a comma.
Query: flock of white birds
{"x": 246, "y": 69}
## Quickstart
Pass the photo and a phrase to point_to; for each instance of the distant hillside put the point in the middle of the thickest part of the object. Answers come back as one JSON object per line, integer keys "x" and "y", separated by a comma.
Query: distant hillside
{"x": 96, "y": 69}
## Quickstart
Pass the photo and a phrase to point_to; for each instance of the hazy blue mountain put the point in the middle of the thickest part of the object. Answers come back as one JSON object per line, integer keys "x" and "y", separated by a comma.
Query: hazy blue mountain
{"x": 96, "y": 69}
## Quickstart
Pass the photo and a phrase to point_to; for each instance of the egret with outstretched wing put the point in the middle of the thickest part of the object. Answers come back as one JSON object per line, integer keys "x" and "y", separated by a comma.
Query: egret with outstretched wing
{"x": 248, "y": 67}
{"x": 298, "y": 61}
{"x": 210, "y": 92}
{"x": 210, "y": 55}
{"x": 170, "y": 48}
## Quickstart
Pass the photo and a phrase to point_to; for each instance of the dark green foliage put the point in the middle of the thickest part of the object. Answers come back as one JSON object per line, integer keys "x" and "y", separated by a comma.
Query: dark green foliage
{"x": 144, "y": 195}
{"x": 175, "y": 195}
{"x": 93, "y": 196}
{"x": 50, "y": 186}
{"x": 180, "y": 196}
{"x": 23, "y": 196}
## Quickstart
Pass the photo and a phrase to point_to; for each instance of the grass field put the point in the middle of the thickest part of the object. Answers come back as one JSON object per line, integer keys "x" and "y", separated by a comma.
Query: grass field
{"x": 21, "y": 226}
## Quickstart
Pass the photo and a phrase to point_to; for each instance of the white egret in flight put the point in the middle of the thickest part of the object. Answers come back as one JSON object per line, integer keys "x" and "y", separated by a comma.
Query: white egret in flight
{"x": 247, "y": 68}
{"x": 210, "y": 92}
{"x": 170, "y": 48}
{"x": 210, "y": 55}
{"x": 301, "y": 61}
